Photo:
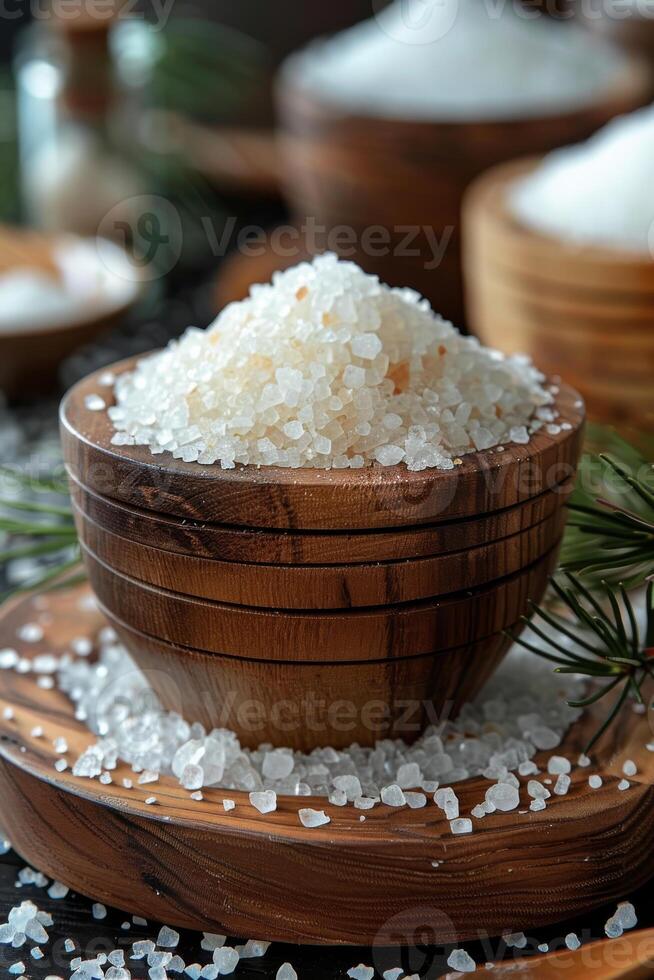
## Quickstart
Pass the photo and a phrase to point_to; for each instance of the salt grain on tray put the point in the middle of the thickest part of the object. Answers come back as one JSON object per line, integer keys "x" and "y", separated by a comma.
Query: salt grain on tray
{"x": 328, "y": 368}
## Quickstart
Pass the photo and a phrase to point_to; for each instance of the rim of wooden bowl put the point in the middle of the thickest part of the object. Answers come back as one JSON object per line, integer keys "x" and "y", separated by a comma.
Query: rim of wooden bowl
{"x": 305, "y": 548}
{"x": 537, "y": 258}
{"x": 311, "y": 499}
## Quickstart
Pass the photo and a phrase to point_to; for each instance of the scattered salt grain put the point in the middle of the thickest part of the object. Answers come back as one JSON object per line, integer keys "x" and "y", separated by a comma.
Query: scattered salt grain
{"x": 393, "y": 974}
{"x": 228, "y": 805}
{"x": 543, "y": 948}
{"x": 17, "y": 969}
{"x": 630, "y": 768}
{"x": 503, "y": 797}
{"x": 448, "y": 801}
{"x": 226, "y": 960}
{"x": 516, "y": 940}
{"x": 151, "y": 801}
{"x": 212, "y": 941}
{"x": 572, "y": 941}
{"x": 57, "y": 890}
{"x": 623, "y": 785}
{"x": 537, "y": 791}
{"x": 393, "y": 796}
{"x": 537, "y": 804}
{"x": 595, "y": 781}
{"x": 415, "y": 801}
{"x": 461, "y": 961}
{"x": 286, "y": 972}
{"x": 313, "y": 818}
{"x": 197, "y": 796}
{"x": 95, "y": 403}
{"x": 8, "y": 714}
{"x": 562, "y": 784}
{"x": 583, "y": 761}
{"x": 462, "y": 825}
{"x": 37, "y": 732}
{"x": 557, "y": 764}
{"x": 168, "y": 938}
{"x": 69, "y": 945}
{"x": 36, "y": 953}
{"x": 99, "y": 911}
{"x": 265, "y": 802}
{"x": 30, "y": 633}
{"x": 149, "y": 776}
{"x": 361, "y": 972}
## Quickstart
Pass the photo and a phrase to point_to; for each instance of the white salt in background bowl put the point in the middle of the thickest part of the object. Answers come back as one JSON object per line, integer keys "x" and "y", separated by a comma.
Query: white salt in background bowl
{"x": 57, "y": 293}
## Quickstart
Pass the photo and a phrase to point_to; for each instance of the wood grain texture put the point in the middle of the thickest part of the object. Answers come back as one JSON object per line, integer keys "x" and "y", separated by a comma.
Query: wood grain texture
{"x": 304, "y": 705}
{"x": 244, "y": 544}
{"x": 589, "y": 308}
{"x": 320, "y": 587}
{"x": 309, "y": 499}
{"x": 326, "y": 636}
{"x": 191, "y": 864}
{"x": 348, "y": 169}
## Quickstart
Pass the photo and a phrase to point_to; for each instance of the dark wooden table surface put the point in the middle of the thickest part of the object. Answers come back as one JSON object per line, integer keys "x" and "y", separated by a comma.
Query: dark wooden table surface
{"x": 73, "y": 919}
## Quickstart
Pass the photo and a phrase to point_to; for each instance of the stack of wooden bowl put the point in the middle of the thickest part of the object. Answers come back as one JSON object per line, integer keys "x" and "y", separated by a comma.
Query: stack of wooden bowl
{"x": 361, "y": 172}
{"x": 586, "y": 310}
{"x": 316, "y": 607}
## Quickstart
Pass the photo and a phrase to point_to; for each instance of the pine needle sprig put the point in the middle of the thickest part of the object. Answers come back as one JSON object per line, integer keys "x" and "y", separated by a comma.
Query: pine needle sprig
{"x": 36, "y": 524}
{"x": 610, "y": 533}
{"x": 599, "y": 641}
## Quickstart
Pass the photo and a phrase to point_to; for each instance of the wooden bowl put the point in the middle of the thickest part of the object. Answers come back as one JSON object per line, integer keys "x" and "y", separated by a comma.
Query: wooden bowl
{"x": 362, "y": 172}
{"x": 374, "y": 592}
{"x": 588, "y": 308}
{"x": 30, "y": 355}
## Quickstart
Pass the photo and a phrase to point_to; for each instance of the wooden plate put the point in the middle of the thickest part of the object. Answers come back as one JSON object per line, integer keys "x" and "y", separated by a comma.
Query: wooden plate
{"x": 242, "y": 873}
{"x": 311, "y": 499}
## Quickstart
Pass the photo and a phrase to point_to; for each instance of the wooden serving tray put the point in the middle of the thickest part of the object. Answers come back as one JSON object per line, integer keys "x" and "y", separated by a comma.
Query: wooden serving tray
{"x": 351, "y": 882}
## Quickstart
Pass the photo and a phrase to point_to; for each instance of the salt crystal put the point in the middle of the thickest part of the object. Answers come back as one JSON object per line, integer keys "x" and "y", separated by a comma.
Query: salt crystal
{"x": 543, "y": 948}
{"x": 583, "y": 761}
{"x": 149, "y": 776}
{"x": 393, "y": 974}
{"x": 393, "y": 796}
{"x": 150, "y": 801}
{"x": 595, "y": 781}
{"x": 562, "y": 784}
{"x": 228, "y": 805}
{"x": 503, "y": 797}
{"x": 167, "y": 938}
{"x": 17, "y": 969}
{"x": 313, "y": 818}
{"x": 409, "y": 775}
{"x": 623, "y": 785}
{"x": 516, "y": 940}
{"x": 462, "y": 825}
{"x": 613, "y": 928}
{"x": 99, "y": 911}
{"x": 626, "y": 915}
{"x": 212, "y": 941}
{"x": 192, "y": 777}
{"x": 69, "y": 945}
{"x": 265, "y": 802}
{"x": 226, "y": 960}
{"x": 286, "y": 972}
{"x": 557, "y": 764}
{"x": 572, "y": 941}
{"x": 277, "y": 764}
{"x": 197, "y": 796}
{"x": 630, "y": 768}
{"x": 338, "y": 797}
{"x": 415, "y": 801}
{"x": 537, "y": 791}
{"x": 448, "y": 801}
{"x": 57, "y": 890}
{"x": 537, "y": 804}
{"x": 95, "y": 403}
{"x": 461, "y": 961}
{"x": 30, "y": 633}
{"x": 361, "y": 972}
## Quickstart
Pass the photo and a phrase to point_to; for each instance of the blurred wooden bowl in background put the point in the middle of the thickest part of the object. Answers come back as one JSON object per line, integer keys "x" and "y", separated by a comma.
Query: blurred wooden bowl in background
{"x": 361, "y": 172}
{"x": 587, "y": 312}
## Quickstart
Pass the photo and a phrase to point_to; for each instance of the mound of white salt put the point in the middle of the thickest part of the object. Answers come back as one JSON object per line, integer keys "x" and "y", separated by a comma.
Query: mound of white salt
{"x": 327, "y": 367}
{"x": 597, "y": 193}
{"x": 458, "y": 60}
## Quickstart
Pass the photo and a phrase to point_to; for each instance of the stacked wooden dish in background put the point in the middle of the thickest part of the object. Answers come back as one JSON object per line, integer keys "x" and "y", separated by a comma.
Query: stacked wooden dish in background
{"x": 586, "y": 311}
{"x": 308, "y": 607}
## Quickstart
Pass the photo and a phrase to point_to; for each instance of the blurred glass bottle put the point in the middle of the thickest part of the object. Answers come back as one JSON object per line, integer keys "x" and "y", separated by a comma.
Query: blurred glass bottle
{"x": 75, "y": 107}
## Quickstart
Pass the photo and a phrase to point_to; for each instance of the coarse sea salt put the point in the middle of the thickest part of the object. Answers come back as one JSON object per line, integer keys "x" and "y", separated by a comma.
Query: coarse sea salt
{"x": 596, "y": 193}
{"x": 522, "y": 696}
{"x": 456, "y": 59}
{"x": 276, "y": 381}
